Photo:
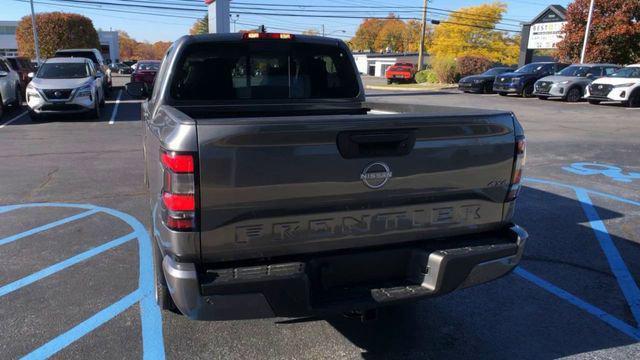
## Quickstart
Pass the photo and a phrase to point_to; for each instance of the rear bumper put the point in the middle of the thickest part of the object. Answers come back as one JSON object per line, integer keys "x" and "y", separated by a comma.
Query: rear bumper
{"x": 361, "y": 279}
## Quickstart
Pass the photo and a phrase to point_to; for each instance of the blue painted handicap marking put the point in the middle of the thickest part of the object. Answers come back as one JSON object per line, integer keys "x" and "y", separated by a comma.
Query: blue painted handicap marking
{"x": 623, "y": 276}
{"x": 150, "y": 317}
{"x": 612, "y": 171}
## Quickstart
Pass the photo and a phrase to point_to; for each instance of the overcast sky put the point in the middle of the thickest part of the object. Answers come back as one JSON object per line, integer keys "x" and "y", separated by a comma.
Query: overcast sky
{"x": 139, "y": 23}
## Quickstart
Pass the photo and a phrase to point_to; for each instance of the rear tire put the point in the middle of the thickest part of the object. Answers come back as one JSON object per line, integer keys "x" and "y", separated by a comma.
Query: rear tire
{"x": 163, "y": 297}
{"x": 574, "y": 95}
{"x": 389, "y": 81}
{"x": 543, "y": 97}
{"x": 594, "y": 102}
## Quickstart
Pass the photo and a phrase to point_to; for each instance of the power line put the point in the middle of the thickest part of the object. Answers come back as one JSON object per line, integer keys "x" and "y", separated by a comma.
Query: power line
{"x": 112, "y": 10}
{"x": 331, "y": 7}
{"x": 360, "y": 17}
{"x": 461, "y": 17}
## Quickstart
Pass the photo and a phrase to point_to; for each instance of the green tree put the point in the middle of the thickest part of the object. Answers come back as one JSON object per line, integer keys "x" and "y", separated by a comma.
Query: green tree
{"x": 470, "y": 32}
{"x": 200, "y": 26}
{"x": 56, "y": 30}
{"x": 614, "y": 35}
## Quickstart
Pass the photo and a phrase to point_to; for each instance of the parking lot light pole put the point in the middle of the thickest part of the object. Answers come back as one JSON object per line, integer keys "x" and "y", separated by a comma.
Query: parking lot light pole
{"x": 586, "y": 32}
{"x": 422, "y": 35}
{"x": 36, "y": 45}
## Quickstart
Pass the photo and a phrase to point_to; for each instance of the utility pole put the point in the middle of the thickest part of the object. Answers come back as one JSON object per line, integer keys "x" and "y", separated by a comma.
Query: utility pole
{"x": 35, "y": 33}
{"x": 422, "y": 35}
{"x": 586, "y": 32}
{"x": 322, "y": 30}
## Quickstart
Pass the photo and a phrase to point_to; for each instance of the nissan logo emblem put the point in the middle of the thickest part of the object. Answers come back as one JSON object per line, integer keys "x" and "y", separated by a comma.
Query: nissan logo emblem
{"x": 375, "y": 175}
{"x": 57, "y": 94}
{"x": 599, "y": 86}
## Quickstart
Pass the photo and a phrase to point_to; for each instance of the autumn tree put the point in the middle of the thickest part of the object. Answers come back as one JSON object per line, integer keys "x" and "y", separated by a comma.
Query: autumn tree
{"x": 392, "y": 32}
{"x": 470, "y": 32}
{"x": 127, "y": 46}
{"x": 391, "y": 35}
{"x": 130, "y": 49}
{"x": 367, "y": 34}
{"x": 200, "y": 26}
{"x": 412, "y": 32}
{"x": 160, "y": 48}
{"x": 614, "y": 35}
{"x": 56, "y": 30}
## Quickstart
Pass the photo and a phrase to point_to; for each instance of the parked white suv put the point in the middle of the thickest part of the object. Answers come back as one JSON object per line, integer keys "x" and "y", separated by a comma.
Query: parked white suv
{"x": 623, "y": 85}
{"x": 10, "y": 93}
{"x": 65, "y": 85}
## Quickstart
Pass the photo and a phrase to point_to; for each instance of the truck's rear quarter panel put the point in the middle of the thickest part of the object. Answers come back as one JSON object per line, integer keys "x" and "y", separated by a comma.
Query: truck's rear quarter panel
{"x": 280, "y": 186}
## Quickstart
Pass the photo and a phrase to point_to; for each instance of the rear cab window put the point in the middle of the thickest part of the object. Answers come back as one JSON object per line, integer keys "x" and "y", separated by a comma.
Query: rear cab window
{"x": 81, "y": 54}
{"x": 258, "y": 70}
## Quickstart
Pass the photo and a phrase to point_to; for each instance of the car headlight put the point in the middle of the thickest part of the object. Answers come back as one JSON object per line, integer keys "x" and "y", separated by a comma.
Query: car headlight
{"x": 84, "y": 91}
{"x": 516, "y": 79}
{"x": 564, "y": 82}
{"x": 623, "y": 85}
{"x": 32, "y": 92}
{"x": 477, "y": 81}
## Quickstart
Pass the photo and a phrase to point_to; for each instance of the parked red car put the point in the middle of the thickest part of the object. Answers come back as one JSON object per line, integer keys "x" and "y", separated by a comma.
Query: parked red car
{"x": 23, "y": 67}
{"x": 400, "y": 72}
{"x": 146, "y": 71}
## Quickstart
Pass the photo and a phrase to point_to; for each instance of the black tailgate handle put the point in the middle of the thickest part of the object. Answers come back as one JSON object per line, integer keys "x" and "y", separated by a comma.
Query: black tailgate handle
{"x": 378, "y": 143}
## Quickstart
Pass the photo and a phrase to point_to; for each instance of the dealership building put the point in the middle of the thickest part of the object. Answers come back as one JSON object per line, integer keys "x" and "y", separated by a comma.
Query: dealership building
{"x": 109, "y": 43}
{"x": 8, "y": 44}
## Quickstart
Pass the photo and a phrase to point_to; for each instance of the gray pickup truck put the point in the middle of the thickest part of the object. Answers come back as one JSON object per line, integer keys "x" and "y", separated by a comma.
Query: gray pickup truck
{"x": 277, "y": 191}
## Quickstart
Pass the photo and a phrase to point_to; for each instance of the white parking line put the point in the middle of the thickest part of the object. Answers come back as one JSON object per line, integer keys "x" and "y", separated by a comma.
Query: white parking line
{"x": 115, "y": 109}
{"x": 12, "y": 120}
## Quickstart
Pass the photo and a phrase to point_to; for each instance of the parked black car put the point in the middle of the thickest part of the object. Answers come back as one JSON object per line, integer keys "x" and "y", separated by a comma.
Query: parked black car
{"x": 521, "y": 81}
{"x": 482, "y": 83}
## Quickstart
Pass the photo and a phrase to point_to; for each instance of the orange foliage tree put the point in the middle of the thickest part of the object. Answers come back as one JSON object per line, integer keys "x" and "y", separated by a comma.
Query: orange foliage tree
{"x": 614, "y": 36}
{"x": 393, "y": 33}
{"x": 130, "y": 49}
{"x": 56, "y": 30}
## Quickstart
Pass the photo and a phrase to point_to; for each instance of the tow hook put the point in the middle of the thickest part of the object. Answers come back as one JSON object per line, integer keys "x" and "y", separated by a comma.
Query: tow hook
{"x": 362, "y": 315}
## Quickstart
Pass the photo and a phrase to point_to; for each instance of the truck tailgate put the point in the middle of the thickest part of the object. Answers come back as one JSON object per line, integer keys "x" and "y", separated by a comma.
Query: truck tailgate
{"x": 293, "y": 185}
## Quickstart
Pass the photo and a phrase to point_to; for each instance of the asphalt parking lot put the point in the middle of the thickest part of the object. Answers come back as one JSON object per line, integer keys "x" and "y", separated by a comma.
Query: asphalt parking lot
{"x": 75, "y": 273}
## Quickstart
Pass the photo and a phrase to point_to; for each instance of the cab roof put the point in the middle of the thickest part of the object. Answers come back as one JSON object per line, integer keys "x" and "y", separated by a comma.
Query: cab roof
{"x": 75, "y": 60}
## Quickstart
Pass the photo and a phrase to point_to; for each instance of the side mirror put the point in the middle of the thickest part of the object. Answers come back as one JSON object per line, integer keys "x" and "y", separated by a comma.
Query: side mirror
{"x": 137, "y": 89}
{"x": 3, "y": 73}
{"x": 31, "y": 75}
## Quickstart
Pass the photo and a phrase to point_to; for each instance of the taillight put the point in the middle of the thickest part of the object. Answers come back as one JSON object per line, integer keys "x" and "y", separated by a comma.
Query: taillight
{"x": 178, "y": 190}
{"x": 516, "y": 176}
{"x": 261, "y": 35}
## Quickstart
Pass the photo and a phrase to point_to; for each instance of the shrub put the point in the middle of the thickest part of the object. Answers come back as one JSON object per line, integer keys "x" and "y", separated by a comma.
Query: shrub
{"x": 471, "y": 65}
{"x": 426, "y": 76}
{"x": 445, "y": 70}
